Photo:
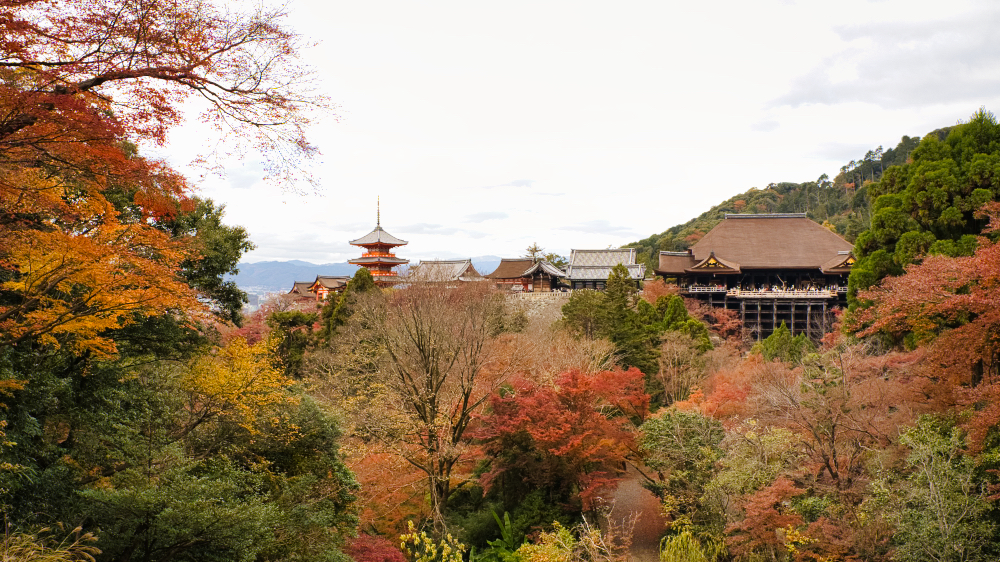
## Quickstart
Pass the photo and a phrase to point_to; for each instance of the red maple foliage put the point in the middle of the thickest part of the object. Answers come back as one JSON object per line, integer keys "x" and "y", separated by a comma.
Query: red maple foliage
{"x": 103, "y": 70}
{"x": 951, "y": 306}
{"x": 575, "y": 432}
{"x": 368, "y": 548}
{"x": 765, "y": 513}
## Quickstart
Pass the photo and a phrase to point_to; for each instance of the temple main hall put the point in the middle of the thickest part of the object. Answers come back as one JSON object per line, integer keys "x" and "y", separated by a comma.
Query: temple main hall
{"x": 772, "y": 268}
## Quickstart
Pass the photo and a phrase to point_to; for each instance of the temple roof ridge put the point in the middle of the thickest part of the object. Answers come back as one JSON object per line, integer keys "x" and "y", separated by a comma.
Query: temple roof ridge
{"x": 766, "y": 216}
{"x": 378, "y": 236}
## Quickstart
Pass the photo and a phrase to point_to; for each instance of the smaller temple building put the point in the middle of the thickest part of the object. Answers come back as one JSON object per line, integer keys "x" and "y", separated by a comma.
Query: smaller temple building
{"x": 300, "y": 290}
{"x": 379, "y": 258}
{"x": 443, "y": 271}
{"x": 527, "y": 275}
{"x": 589, "y": 269}
{"x": 326, "y": 284}
{"x": 772, "y": 268}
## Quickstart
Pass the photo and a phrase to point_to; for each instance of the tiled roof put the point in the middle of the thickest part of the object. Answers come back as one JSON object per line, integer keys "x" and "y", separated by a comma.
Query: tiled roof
{"x": 444, "y": 270}
{"x": 602, "y": 272}
{"x": 597, "y": 264}
{"x": 523, "y": 267}
{"x": 783, "y": 241}
{"x": 300, "y": 287}
{"x": 377, "y": 259}
{"x": 378, "y": 236}
{"x": 545, "y": 267}
{"x": 841, "y": 263}
{"x": 715, "y": 264}
{"x": 607, "y": 257}
{"x": 511, "y": 268}
{"x": 675, "y": 263}
{"x": 331, "y": 281}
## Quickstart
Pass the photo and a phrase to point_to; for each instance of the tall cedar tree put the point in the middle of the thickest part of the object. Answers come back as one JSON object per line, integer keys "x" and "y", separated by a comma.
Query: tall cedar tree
{"x": 929, "y": 205}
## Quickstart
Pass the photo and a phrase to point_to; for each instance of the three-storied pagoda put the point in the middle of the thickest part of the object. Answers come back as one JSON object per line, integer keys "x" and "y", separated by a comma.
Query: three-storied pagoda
{"x": 378, "y": 257}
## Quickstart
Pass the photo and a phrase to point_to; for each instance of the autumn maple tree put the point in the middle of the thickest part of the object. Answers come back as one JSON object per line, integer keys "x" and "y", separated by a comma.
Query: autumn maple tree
{"x": 87, "y": 242}
{"x": 570, "y": 437}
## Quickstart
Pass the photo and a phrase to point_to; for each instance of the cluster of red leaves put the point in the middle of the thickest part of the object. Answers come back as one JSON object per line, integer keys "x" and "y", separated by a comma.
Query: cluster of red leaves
{"x": 368, "y": 548}
{"x": 582, "y": 428}
{"x": 653, "y": 290}
{"x": 850, "y": 402}
{"x": 726, "y": 391}
{"x": 143, "y": 59}
{"x": 765, "y": 511}
{"x": 954, "y": 302}
{"x": 952, "y": 307}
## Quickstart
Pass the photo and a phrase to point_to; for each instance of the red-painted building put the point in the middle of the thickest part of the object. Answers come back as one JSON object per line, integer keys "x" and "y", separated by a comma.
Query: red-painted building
{"x": 379, "y": 258}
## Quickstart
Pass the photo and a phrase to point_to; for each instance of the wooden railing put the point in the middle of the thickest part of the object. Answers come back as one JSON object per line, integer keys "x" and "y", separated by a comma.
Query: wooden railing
{"x": 540, "y": 295}
{"x": 816, "y": 294}
{"x": 705, "y": 289}
{"x": 768, "y": 294}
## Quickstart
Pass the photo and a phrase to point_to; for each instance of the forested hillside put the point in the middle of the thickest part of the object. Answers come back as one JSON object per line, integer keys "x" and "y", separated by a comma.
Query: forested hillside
{"x": 840, "y": 203}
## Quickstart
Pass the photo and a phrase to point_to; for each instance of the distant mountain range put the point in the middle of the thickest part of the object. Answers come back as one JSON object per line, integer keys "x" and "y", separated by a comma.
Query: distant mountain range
{"x": 275, "y": 276}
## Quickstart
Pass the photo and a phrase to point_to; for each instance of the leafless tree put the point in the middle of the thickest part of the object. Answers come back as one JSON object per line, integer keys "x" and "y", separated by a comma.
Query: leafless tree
{"x": 439, "y": 363}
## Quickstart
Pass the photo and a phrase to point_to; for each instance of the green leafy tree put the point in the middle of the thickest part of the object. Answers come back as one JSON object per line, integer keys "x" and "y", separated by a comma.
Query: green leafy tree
{"x": 219, "y": 248}
{"x": 943, "y": 515}
{"x": 294, "y": 327}
{"x": 782, "y": 345}
{"x": 555, "y": 259}
{"x": 584, "y": 313}
{"x": 682, "y": 447}
{"x": 338, "y": 310}
{"x": 164, "y": 464}
{"x": 633, "y": 325}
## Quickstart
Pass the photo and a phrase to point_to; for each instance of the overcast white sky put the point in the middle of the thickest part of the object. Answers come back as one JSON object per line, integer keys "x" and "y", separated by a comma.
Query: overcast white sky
{"x": 486, "y": 126}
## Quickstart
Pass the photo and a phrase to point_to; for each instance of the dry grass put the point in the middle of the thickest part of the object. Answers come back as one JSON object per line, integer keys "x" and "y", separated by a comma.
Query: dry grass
{"x": 43, "y": 546}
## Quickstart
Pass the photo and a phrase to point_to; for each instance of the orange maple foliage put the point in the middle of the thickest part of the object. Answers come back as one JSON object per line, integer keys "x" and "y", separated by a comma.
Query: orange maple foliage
{"x": 652, "y": 290}
{"x": 766, "y": 512}
{"x": 81, "y": 82}
{"x": 72, "y": 286}
{"x": 951, "y": 307}
{"x": 580, "y": 429}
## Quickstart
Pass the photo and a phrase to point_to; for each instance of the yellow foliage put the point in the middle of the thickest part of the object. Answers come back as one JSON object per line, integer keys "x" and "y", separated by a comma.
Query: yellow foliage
{"x": 557, "y": 546}
{"x": 240, "y": 382}
{"x": 795, "y": 538}
{"x": 418, "y": 547}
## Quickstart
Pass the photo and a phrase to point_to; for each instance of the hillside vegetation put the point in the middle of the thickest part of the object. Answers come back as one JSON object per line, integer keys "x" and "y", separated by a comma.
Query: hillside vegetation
{"x": 841, "y": 203}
